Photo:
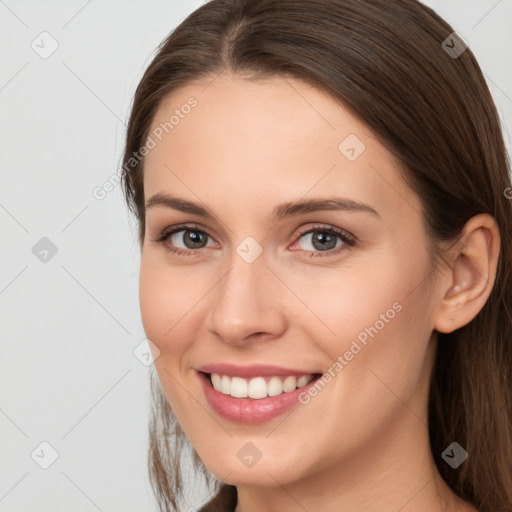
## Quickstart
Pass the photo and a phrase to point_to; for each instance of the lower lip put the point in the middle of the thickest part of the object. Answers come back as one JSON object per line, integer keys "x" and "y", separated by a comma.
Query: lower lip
{"x": 250, "y": 410}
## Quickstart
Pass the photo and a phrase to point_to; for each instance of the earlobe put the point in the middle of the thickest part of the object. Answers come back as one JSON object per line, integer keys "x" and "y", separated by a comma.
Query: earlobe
{"x": 467, "y": 284}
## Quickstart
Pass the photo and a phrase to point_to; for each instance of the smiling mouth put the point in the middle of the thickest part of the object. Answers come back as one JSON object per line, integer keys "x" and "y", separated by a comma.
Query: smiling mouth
{"x": 258, "y": 388}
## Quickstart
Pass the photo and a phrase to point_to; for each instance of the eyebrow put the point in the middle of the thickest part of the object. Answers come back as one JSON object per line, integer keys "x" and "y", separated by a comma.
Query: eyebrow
{"x": 280, "y": 212}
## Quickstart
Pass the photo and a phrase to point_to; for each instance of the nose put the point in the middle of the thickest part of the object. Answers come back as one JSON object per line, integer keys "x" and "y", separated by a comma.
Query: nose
{"x": 248, "y": 303}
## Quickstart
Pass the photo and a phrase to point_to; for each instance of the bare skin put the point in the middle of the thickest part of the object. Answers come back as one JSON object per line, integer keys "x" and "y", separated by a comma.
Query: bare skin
{"x": 362, "y": 442}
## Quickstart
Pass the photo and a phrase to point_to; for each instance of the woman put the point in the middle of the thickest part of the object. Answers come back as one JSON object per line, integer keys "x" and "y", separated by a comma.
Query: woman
{"x": 321, "y": 191}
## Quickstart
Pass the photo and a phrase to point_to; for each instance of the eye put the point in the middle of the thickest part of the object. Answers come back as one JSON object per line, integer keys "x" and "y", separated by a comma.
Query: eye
{"x": 323, "y": 239}
{"x": 184, "y": 240}
{"x": 318, "y": 240}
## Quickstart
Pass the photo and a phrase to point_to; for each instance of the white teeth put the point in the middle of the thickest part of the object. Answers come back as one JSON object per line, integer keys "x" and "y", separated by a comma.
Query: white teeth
{"x": 238, "y": 387}
{"x": 302, "y": 381}
{"x": 225, "y": 385}
{"x": 274, "y": 386}
{"x": 289, "y": 384}
{"x": 257, "y": 387}
{"x": 216, "y": 381}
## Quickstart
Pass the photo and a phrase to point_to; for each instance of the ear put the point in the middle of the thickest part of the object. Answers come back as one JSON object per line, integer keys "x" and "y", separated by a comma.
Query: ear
{"x": 467, "y": 284}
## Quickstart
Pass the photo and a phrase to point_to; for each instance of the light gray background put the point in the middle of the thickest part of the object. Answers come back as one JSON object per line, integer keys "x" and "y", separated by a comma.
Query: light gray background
{"x": 68, "y": 375}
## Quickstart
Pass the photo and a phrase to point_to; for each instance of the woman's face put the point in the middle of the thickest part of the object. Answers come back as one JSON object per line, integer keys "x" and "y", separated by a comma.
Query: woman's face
{"x": 311, "y": 259}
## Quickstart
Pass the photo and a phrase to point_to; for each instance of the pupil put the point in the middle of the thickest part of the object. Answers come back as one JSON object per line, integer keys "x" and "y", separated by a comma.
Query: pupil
{"x": 326, "y": 241}
{"x": 193, "y": 239}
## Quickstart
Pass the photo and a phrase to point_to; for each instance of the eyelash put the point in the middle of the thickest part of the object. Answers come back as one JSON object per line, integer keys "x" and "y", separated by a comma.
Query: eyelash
{"x": 347, "y": 239}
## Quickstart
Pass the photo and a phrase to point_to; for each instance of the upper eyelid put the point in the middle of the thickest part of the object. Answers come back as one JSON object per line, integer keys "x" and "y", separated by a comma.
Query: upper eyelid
{"x": 191, "y": 227}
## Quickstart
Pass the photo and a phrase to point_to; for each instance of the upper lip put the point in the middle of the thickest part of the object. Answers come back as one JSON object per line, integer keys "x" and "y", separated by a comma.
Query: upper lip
{"x": 255, "y": 370}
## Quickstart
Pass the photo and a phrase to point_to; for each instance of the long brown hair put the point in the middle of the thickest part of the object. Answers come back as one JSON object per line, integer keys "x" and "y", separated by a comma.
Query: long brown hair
{"x": 386, "y": 62}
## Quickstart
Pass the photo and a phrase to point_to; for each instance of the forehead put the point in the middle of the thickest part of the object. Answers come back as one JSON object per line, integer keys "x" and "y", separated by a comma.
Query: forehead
{"x": 278, "y": 138}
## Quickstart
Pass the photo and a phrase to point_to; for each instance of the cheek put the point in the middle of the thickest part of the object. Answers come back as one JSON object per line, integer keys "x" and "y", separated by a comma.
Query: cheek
{"x": 165, "y": 297}
{"x": 343, "y": 303}
{"x": 154, "y": 303}
{"x": 167, "y": 302}
{"x": 173, "y": 305}
{"x": 375, "y": 318}
{"x": 375, "y": 290}
{"x": 383, "y": 333}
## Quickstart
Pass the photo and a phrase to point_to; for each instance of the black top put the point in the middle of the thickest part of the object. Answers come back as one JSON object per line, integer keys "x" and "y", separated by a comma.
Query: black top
{"x": 224, "y": 501}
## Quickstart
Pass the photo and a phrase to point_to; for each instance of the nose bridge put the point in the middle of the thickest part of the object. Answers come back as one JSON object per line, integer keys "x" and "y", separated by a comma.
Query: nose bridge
{"x": 243, "y": 303}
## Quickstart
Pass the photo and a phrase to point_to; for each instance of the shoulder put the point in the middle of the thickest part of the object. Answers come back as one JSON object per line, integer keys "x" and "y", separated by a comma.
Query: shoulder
{"x": 224, "y": 501}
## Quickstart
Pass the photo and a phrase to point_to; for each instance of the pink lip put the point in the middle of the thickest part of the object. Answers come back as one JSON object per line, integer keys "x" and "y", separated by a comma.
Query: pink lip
{"x": 257, "y": 370}
{"x": 249, "y": 410}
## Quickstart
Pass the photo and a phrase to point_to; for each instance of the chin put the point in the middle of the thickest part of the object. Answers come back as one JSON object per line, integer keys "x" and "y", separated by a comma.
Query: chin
{"x": 265, "y": 472}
